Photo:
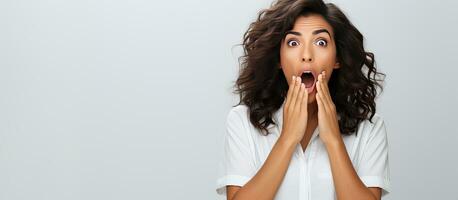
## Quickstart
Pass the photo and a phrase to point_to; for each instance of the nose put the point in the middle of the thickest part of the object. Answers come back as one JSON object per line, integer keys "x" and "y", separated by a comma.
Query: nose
{"x": 307, "y": 59}
{"x": 307, "y": 54}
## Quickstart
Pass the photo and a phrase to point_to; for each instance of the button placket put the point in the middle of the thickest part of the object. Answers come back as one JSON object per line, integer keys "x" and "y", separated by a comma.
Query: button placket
{"x": 313, "y": 152}
{"x": 302, "y": 173}
{"x": 308, "y": 160}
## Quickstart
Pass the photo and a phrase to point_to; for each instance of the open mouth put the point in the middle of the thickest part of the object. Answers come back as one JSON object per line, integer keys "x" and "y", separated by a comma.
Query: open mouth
{"x": 308, "y": 78}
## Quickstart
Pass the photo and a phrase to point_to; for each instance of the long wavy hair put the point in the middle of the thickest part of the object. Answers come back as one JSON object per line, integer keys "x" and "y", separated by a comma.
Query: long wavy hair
{"x": 262, "y": 86}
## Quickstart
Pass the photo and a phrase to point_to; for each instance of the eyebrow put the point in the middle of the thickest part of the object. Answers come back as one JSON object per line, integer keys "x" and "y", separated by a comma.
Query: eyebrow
{"x": 315, "y": 32}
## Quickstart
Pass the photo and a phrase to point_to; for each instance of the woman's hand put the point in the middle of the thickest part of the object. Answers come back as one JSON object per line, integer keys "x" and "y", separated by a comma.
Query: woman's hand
{"x": 295, "y": 111}
{"x": 327, "y": 116}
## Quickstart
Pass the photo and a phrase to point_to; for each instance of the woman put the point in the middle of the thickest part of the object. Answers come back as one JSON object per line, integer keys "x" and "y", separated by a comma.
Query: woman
{"x": 305, "y": 126}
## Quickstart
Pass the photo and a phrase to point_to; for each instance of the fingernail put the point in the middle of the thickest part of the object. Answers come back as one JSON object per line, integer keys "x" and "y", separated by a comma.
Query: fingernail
{"x": 294, "y": 78}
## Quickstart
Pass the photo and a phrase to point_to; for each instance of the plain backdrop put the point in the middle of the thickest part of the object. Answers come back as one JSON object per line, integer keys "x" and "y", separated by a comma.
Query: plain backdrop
{"x": 128, "y": 99}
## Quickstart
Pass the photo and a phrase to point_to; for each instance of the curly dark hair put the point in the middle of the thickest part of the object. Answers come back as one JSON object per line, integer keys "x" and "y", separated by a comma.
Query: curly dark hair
{"x": 262, "y": 86}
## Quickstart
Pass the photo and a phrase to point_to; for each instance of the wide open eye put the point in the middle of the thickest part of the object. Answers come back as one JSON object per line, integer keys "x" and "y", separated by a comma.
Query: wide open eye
{"x": 322, "y": 42}
{"x": 293, "y": 43}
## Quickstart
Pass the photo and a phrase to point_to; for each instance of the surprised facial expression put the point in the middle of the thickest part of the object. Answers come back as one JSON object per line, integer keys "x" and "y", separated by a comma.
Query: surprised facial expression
{"x": 307, "y": 50}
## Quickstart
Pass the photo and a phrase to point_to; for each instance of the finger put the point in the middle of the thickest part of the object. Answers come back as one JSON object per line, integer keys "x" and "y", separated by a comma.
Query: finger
{"x": 328, "y": 92}
{"x": 295, "y": 93}
{"x": 319, "y": 100}
{"x": 300, "y": 96}
{"x": 319, "y": 88}
{"x": 320, "y": 96}
{"x": 325, "y": 84}
{"x": 290, "y": 91}
{"x": 305, "y": 102}
{"x": 324, "y": 94}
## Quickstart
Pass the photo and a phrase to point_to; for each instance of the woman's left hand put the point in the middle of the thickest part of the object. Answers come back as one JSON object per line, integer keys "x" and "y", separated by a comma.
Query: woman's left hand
{"x": 327, "y": 116}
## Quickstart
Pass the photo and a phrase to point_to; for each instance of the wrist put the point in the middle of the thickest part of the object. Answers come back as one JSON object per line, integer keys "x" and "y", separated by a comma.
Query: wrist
{"x": 288, "y": 140}
{"x": 332, "y": 142}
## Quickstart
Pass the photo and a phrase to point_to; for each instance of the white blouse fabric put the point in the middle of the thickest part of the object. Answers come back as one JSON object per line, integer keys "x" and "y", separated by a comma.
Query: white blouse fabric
{"x": 308, "y": 176}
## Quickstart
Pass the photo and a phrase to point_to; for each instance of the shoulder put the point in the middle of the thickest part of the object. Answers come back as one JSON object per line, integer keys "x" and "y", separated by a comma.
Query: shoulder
{"x": 374, "y": 127}
{"x": 377, "y": 119}
{"x": 238, "y": 126}
{"x": 238, "y": 110}
{"x": 238, "y": 113}
{"x": 237, "y": 118}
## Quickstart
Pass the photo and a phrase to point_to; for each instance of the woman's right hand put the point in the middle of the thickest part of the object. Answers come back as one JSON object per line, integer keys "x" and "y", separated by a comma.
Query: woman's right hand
{"x": 295, "y": 111}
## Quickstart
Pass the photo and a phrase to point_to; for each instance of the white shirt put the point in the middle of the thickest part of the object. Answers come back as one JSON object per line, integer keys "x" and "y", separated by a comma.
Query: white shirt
{"x": 309, "y": 174}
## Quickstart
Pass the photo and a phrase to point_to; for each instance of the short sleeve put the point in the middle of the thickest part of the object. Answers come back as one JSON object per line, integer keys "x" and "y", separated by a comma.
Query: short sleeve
{"x": 236, "y": 165}
{"x": 373, "y": 168}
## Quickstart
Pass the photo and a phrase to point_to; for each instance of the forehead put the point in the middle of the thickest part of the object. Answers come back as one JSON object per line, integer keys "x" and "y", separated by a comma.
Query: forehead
{"x": 309, "y": 23}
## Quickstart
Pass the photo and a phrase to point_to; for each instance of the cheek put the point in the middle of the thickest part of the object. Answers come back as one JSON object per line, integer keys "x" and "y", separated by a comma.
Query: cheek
{"x": 326, "y": 60}
{"x": 327, "y": 57}
{"x": 288, "y": 59}
{"x": 288, "y": 74}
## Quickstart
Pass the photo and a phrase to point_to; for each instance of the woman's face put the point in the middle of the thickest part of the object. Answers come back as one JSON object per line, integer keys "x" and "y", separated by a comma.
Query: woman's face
{"x": 309, "y": 46}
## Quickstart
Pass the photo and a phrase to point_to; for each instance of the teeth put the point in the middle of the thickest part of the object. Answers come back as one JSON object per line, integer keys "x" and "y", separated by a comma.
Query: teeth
{"x": 307, "y": 72}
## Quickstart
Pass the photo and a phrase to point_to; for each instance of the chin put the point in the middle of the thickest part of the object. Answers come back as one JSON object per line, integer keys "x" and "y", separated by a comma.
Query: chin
{"x": 311, "y": 97}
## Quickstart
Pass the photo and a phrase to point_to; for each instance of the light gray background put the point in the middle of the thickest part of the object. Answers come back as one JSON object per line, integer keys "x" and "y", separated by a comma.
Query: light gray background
{"x": 128, "y": 99}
